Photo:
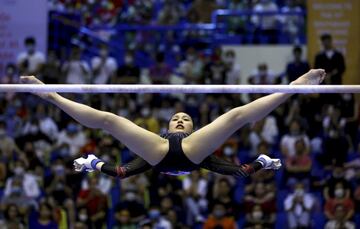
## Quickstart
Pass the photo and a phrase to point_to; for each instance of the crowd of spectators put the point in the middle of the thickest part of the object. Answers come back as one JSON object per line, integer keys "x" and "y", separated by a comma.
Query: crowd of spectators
{"x": 316, "y": 137}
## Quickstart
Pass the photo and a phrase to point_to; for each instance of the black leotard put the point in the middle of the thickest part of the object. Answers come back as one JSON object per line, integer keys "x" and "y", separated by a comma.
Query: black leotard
{"x": 175, "y": 161}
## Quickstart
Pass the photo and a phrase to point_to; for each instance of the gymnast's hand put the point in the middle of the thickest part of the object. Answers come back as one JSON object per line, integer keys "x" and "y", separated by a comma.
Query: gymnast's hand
{"x": 34, "y": 80}
{"x": 86, "y": 163}
{"x": 312, "y": 77}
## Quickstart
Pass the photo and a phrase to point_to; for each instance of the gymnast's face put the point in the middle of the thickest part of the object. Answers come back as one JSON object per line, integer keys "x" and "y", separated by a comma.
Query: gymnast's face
{"x": 180, "y": 122}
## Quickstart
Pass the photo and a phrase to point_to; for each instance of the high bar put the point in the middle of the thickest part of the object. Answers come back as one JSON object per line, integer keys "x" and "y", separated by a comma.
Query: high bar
{"x": 187, "y": 89}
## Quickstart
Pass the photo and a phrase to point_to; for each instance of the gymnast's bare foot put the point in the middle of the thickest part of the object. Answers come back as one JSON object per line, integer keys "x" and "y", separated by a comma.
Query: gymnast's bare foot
{"x": 312, "y": 77}
{"x": 34, "y": 80}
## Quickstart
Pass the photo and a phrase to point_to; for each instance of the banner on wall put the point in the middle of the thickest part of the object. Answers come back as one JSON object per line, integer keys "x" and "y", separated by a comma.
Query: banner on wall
{"x": 20, "y": 19}
{"x": 341, "y": 19}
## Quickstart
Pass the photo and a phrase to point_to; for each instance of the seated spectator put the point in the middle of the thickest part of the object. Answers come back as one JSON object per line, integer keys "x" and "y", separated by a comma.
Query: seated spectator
{"x": 129, "y": 73}
{"x": 195, "y": 187}
{"x": 223, "y": 194}
{"x": 76, "y": 70}
{"x": 336, "y": 143}
{"x": 339, "y": 199}
{"x": 219, "y": 219}
{"x": 287, "y": 142}
{"x": 95, "y": 202}
{"x": 191, "y": 67}
{"x": 299, "y": 166}
{"x": 236, "y": 24}
{"x": 214, "y": 72}
{"x": 338, "y": 176}
{"x": 294, "y": 113}
{"x": 298, "y": 206}
{"x": 51, "y": 70}
{"x": 70, "y": 141}
{"x": 30, "y": 62}
{"x": 262, "y": 75}
{"x": 11, "y": 75}
{"x": 123, "y": 220}
{"x": 171, "y": 13}
{"x": 22, "y": 188}
{"x": 56, "y": 183}
{"x": 12, "y": 217}
{"x": 157, "y": 219}
{"x": 147, "y": 120}
{"x": 265, "y": 130}
{"x": 257, "y": 217}
{"x": 232, "y": 74}
{"x": 200, "y": 11}
{"x": 167, "y": 204}
{"x": 265, "y": 26}
{"x": 339, "y": 220}
{"x": 175, "y": 221}
{"x": 160, "y": 72}
{"x": 131, "y": 203}
{"x": 262, "y": 195}
{"x": 293, "y": 25}
{"x": 43, "y": 219}
{"x": 103, "y": 66}
{"x": 298, "y": 66}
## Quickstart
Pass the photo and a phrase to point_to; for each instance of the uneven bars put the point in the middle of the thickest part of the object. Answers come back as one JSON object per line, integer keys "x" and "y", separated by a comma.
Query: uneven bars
{"x": 155, "y": 88}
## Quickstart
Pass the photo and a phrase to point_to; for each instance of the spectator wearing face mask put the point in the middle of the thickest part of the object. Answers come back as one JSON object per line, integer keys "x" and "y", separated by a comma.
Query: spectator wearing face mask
{"x": 338, "y": 176}
{"x": 129, "y": 73}
{"x": 157, "y": 219}
{"x": 12, "y": 218}
{"x": 133, "y": 205}
{"x": 123, "y": 220}
{"x": 191, "y": 67}
{"x": 30, "y": 61}
{"x": 341, "y": 199}
{"x": 76, "y": 70}
{"x": 95, "y": 202}
{"x": 339, "y": 220}
{"x": 232, "y": 72}
{"x": 219, "y": 219}
{"x": 103, "y": 66}
{"x": 257, "y": 217}
{"x": 299, "y": 165}
{"x": 288, "y": 140}
{"x": 43, "y": 218}
{"x": 298, "y": 206}
{"x": 11, "y": 75}
{"x": 22, "y": 188}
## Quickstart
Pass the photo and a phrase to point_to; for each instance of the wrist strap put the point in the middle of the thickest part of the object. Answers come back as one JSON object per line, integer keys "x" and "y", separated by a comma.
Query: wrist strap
{"x": 94, "y": 162}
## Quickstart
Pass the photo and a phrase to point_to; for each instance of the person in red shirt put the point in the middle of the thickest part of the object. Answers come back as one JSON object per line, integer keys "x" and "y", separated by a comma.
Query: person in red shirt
{"x": 218, "y": 219}
{"x": 95, "y": 202}
{"x": 339, "y": 199}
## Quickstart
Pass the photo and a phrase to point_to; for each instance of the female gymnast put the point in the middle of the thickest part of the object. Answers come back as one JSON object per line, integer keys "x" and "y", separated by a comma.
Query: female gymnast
{"x": 180, "y": 150}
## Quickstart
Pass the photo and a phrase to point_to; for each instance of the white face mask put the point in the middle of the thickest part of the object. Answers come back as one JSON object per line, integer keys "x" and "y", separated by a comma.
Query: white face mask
{"x": 19, "y": 170}
{"x": 339, "y": 192}
{"x": 228, "y": 151}
{"x": 299, "y": 192}
{"x": 257, "y": 214}
{"x": 83, "y": 217}
{"x": 129, "y": 60}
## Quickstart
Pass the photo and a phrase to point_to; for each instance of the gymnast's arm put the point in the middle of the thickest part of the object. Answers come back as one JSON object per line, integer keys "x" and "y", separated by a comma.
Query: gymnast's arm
{"x": 134, "y": 167}
{"x": 221, "y": 166}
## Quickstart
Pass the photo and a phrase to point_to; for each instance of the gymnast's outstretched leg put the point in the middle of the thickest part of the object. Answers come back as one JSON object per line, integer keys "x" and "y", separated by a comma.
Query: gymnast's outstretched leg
{"x": 142, "y": 142}
{"x": 206, "y": 140}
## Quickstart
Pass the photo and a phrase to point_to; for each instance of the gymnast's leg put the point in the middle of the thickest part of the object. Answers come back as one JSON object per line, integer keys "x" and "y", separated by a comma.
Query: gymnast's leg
{"x": 206, "y": 140}
{"x": 142, "y": 142}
